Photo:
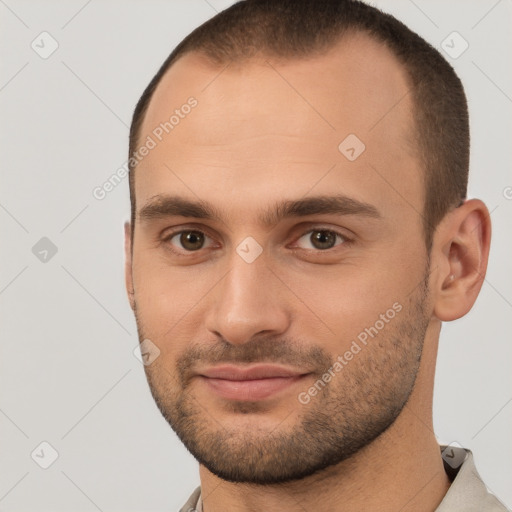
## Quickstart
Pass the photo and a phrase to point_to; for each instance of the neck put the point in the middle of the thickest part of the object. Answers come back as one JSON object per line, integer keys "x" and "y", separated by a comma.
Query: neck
{"x": 400, "y": 470}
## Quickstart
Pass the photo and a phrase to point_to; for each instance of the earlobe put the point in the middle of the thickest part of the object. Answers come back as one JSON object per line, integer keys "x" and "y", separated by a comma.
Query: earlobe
{"x": 128, "y": 264}
{"x": 462, "y": 249}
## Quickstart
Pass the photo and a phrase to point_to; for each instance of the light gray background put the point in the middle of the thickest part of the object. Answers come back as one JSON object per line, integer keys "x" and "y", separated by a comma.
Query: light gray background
{"x": 68, "y": 375}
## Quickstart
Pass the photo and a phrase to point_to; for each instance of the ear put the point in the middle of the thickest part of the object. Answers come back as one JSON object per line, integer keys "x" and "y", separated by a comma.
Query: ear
{"x": 460, "y": 253}
{"x": 128, "y": 264}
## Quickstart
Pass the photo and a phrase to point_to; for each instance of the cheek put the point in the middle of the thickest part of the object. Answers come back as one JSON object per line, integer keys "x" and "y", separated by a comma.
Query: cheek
{"x": 349, "y": 313}
{"x": 168, "y": 300}
{"x": 329, "y": 304}
{"x": 341, "y": 303}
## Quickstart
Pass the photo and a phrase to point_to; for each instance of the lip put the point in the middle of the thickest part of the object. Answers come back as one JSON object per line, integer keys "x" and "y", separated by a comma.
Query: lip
{"x": 255, "y": 382}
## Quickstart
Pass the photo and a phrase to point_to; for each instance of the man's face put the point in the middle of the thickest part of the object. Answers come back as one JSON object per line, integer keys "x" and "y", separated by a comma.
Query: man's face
{"x": 247, "y": 373}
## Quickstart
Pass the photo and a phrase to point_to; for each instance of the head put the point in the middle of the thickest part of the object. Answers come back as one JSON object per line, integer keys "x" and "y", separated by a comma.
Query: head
{"x": 307, "y": 209}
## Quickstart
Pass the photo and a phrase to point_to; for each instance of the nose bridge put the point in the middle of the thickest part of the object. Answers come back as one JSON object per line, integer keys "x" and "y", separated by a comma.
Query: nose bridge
{"x": 246, "y": 301}
{"x": 248, "y": 274}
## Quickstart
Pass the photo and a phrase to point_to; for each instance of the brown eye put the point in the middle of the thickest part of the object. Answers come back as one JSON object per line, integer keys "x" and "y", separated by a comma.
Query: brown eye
{"x": 322, "y": 239}
{"x": 192, "y": 240}
{"x": 189, "y": 240}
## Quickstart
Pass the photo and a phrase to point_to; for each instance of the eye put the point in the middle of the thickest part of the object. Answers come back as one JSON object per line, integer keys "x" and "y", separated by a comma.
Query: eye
{"x": 322, "y": 239}
{"x": 189, "y": 240}
{"x": 194, "y": 240}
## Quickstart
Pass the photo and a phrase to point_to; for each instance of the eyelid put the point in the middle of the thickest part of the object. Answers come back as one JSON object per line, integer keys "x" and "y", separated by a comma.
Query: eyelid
{"x": 167, "y": 237}
{"x": 346, "y": 238}
{"x": 304, "y": 231}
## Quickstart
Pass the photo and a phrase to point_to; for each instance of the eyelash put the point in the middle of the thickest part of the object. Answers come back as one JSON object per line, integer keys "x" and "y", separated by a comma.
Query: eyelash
{"x": 346, "y": 240}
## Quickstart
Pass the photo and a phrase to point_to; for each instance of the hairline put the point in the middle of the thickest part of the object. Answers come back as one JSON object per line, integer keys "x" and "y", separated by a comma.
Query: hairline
{"x": 414, "y": 140}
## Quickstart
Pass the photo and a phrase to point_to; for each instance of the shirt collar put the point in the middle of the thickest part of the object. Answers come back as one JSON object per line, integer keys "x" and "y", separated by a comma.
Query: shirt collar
{"x": 467, "y": 492}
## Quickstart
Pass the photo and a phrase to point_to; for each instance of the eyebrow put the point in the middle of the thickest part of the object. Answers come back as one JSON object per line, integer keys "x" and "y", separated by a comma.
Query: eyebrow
{"x": 162, "y": 206}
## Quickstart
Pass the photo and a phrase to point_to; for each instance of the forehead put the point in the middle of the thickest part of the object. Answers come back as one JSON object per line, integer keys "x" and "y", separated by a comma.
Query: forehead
{"x": 348, "y": 85}
{"x": 273, "y": 120}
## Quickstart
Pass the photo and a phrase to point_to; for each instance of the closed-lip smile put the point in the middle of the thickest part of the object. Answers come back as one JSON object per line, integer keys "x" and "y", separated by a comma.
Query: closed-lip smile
{"x": 253, "y": 382}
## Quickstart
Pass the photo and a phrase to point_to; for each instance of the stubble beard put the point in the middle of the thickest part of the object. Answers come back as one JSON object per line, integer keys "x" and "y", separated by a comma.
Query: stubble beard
{"x": 357, "y": 406}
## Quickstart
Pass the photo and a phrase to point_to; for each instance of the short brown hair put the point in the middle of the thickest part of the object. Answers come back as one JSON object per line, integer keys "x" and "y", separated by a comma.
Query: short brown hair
{"x": 297, "y": 28}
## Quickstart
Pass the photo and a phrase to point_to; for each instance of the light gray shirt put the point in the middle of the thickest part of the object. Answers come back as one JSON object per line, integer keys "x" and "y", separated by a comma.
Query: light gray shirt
{"x": 467, "y": 492}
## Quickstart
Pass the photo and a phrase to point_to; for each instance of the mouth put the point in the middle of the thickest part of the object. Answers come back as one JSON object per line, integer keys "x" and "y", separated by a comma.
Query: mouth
{"x": 249, "y": 383}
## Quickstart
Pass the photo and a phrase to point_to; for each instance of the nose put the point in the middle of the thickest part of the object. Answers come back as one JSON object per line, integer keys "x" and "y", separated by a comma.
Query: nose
{"x": 250, "y": 300}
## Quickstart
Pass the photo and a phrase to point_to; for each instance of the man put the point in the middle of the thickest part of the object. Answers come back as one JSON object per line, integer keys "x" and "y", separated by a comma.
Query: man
{"x": 299, "y": 232}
